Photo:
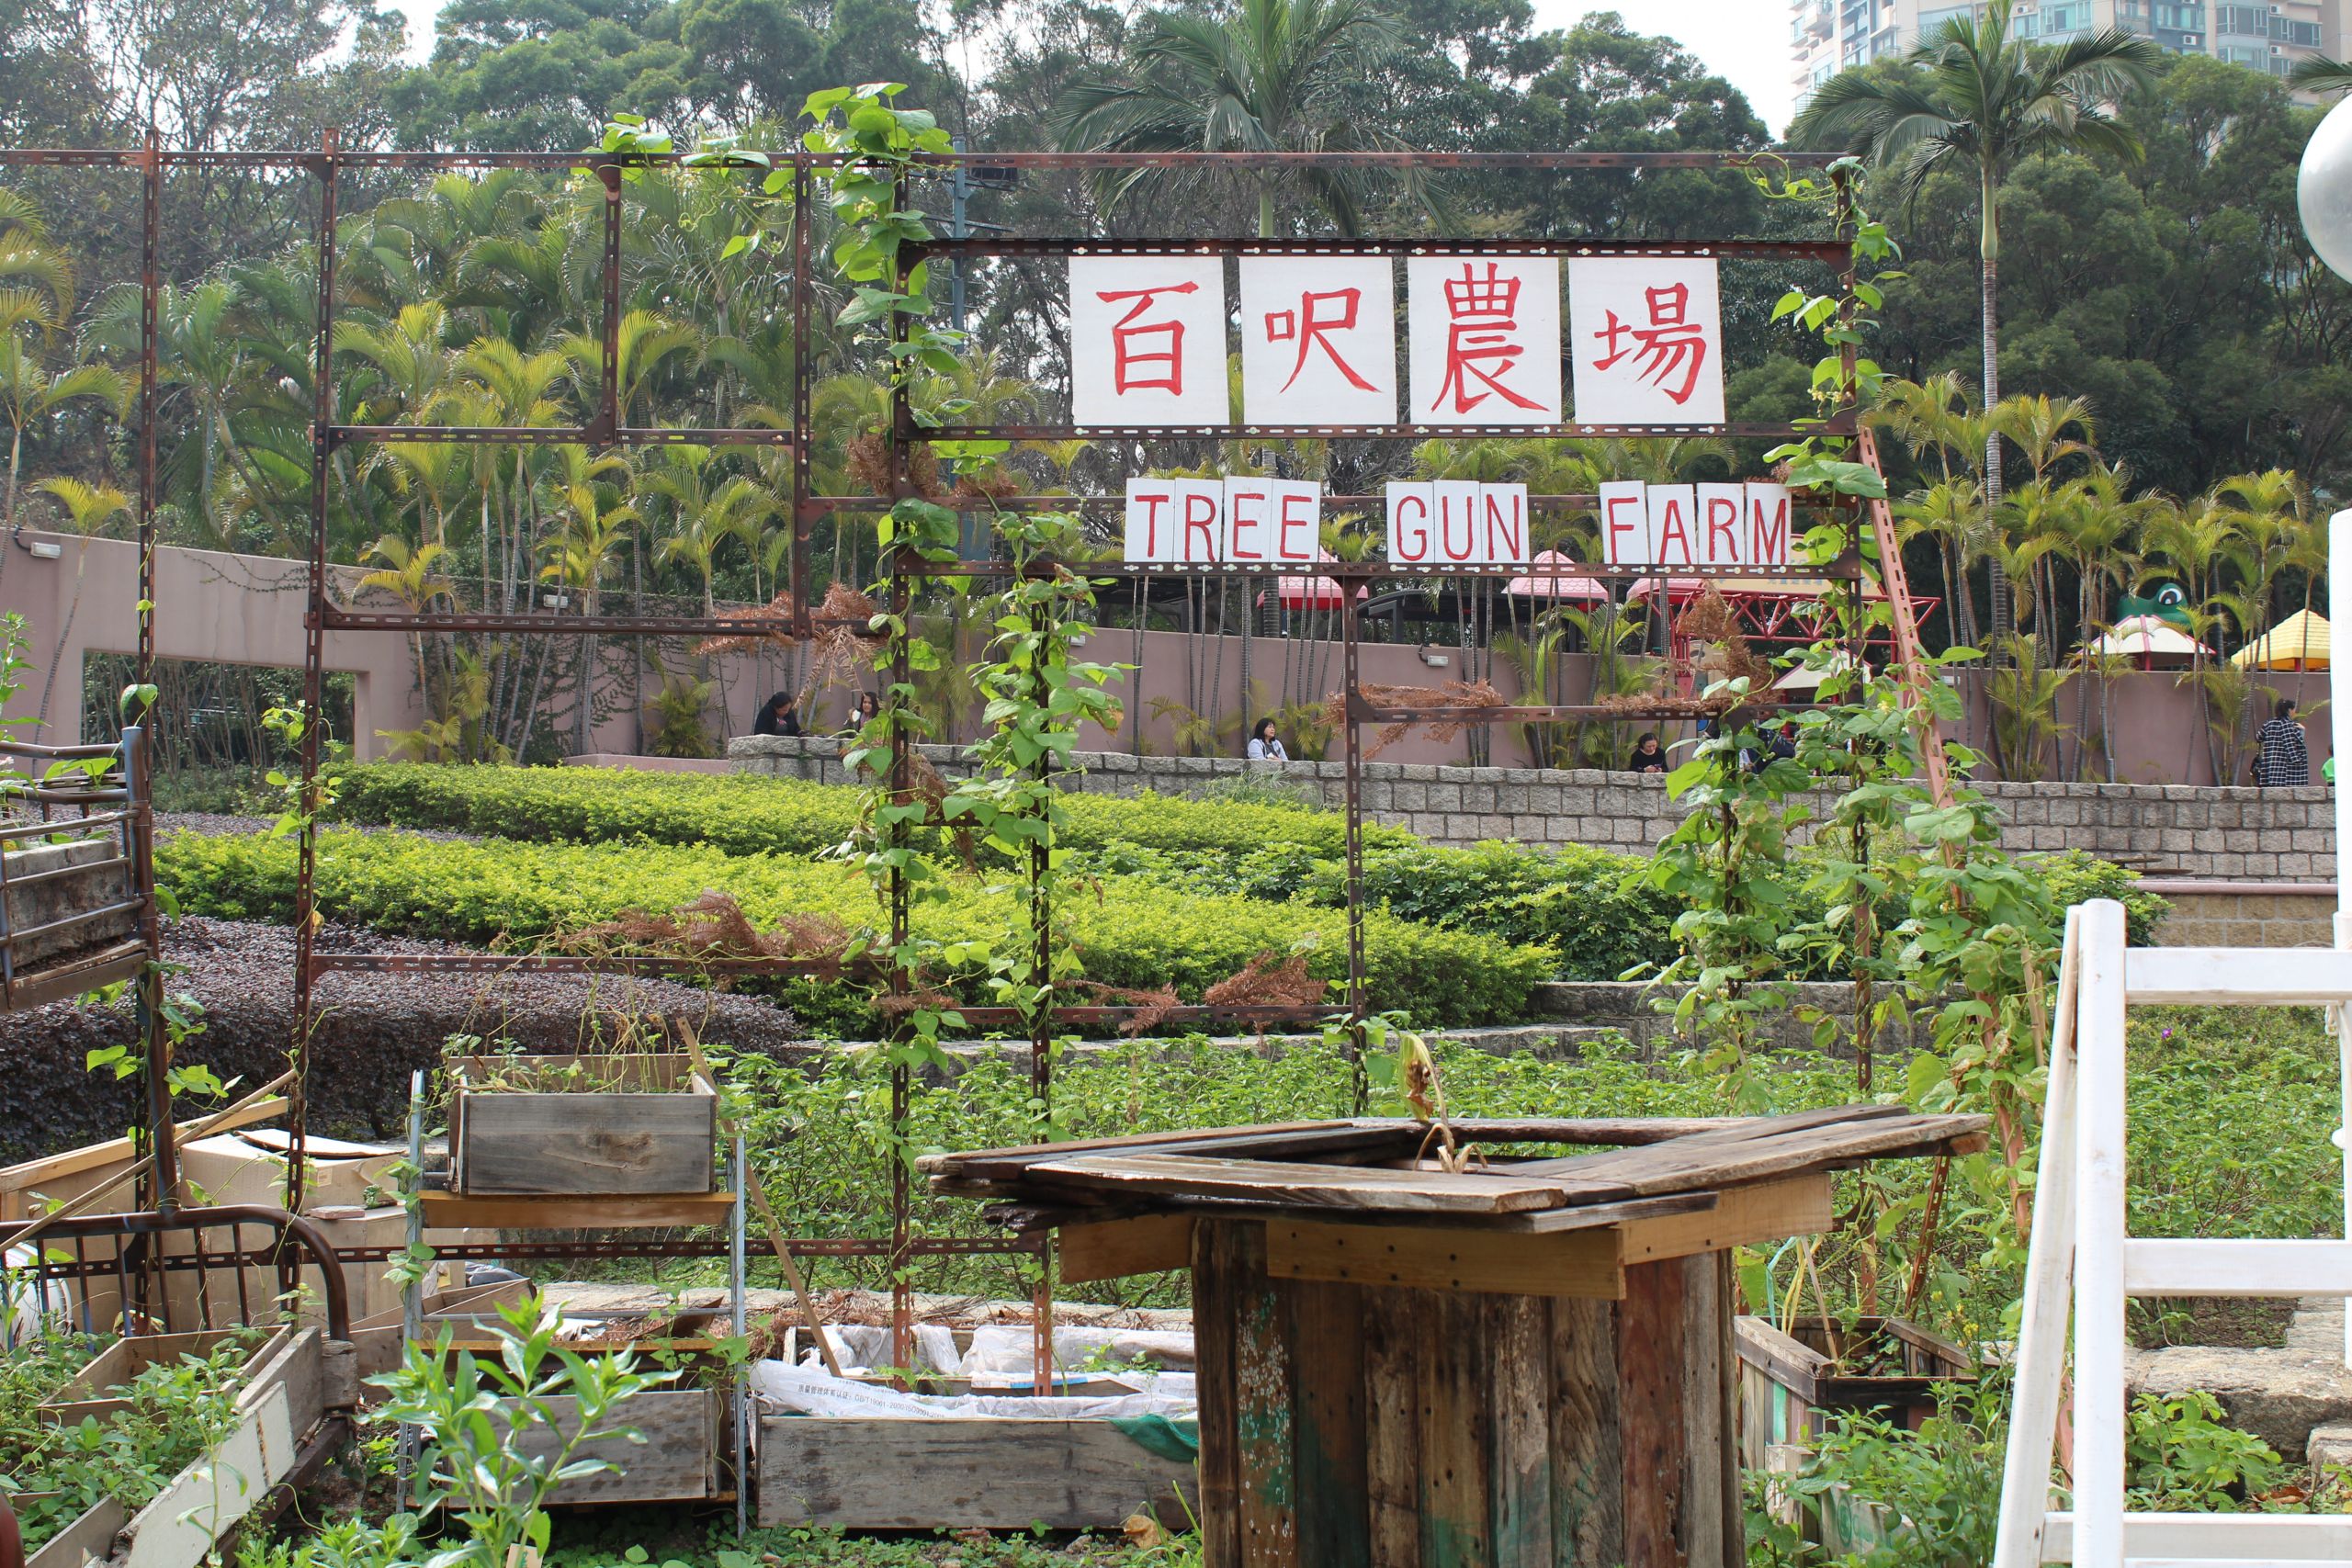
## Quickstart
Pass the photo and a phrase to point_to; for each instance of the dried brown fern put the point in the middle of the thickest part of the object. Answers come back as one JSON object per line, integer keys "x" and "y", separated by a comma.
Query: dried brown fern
{"x": 1269, "y": 980}
{"x": 1452, "y": 694}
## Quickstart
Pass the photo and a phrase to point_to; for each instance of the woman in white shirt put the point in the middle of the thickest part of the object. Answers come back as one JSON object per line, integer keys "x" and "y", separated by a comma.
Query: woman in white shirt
{"x": 1263, "y": 747}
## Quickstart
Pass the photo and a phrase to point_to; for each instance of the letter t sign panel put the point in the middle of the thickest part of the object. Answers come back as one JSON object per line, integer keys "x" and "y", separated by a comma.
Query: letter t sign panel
{"x": 1146, "y": 340}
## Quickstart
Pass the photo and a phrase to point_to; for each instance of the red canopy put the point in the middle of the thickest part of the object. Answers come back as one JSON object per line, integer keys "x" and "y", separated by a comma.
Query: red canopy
{"x": 1552, "y": 575}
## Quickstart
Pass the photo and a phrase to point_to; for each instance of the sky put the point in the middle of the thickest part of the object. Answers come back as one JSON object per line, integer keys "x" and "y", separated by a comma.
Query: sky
{"x": 1746, "y": 40}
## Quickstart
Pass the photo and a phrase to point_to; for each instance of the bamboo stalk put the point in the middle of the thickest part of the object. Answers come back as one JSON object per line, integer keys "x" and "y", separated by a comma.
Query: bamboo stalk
{"x": 137, "y": 1167}
{"x": 759, "y": 1193}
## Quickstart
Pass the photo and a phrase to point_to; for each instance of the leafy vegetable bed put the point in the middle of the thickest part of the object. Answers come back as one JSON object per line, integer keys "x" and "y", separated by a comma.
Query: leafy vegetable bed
{"x": 1130, "y": 933}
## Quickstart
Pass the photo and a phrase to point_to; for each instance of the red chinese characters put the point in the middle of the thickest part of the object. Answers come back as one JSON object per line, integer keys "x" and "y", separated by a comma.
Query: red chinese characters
{"x": 1647, "y": 335}
{"x": 1319, "y": 340}
{"x": 1146, "y": 340}
{"x": 1485, "y": 340}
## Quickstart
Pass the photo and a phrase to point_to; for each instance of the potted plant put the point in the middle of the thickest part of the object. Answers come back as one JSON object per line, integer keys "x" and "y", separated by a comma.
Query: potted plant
{"x": 630, "y": 1123}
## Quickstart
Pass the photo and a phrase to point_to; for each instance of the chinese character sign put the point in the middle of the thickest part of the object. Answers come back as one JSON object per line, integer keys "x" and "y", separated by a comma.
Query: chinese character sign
{"x": 1647, "y": 335}
{"x": 1457, "y": 522}
{"x": 1146, "y": 340}
{"x": 1486, "y": 339}
{"x": 1232, "y": 521}
{"x": 1319, "y": 340}
{"x": 1715, "y": 525}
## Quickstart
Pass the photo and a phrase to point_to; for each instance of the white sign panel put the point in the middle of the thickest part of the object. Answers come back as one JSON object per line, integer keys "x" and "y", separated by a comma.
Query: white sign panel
{"x": 1457, "y": 522}
{"x": 1647, "y": 337}
{"x": 1146, "y": 340}
{"x": 1485, "y": 339}
{"x": 1685, "y": 526}
{"x": 1319, "y": 340}
{"x": 1236, "y": 520}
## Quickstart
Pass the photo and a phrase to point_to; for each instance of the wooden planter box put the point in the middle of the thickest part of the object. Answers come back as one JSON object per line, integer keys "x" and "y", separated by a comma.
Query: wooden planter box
{"x": 677, "y": 1462}
{"x": 49, "y": 885}
{"x": 87, "y": 1539}
{"x": 284, "y": 1399}
{"x": 993, "y": 1474}
{"x": 651, "y": 1132}
{"x": 91, "y": 1392}
{"x": 1786, "y": 1379}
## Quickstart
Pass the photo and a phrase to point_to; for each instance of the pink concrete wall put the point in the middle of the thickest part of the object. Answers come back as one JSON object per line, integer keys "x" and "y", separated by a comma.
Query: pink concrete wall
{"x": 248, "y": 610}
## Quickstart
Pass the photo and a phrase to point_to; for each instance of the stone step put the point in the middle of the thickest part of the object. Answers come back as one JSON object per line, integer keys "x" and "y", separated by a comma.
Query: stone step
{"x": 2289, "y": 1397}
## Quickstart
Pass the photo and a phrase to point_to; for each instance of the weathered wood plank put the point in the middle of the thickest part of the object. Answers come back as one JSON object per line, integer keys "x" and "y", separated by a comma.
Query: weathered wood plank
{"x": 1264, "y": 1381}
{"x": 87, "y": 1539}
{"x": 1711, "y": 1483}
{"x": 89, "y": 1392}
{"x": 1574, "y": 1263}
{"x": 1296, "y": 1185}
{"x": 1742, "y": 1216}
{"x": 678, "y": 1460}
{"x": 1587, "y": 1462}
{"x": 1115, "y": 1248}
{"x": 1329, "y": 1423}
{"x": 1217, "y": 1259}
{"x": 178, "y": 1529}
{"x": 1455, "y": 1526}
{"x": 1649, "y": 1371}
{"x": 1280, "y": 1141}
{"x": 1729, "y": 1158}
{"x": 991, "y": 1474}
{"x": 1392, "y": 1427}
{"x": 1519, "y": 1474}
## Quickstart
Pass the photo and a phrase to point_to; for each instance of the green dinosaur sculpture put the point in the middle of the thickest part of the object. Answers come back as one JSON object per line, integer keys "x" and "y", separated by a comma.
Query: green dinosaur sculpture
{"x": 2168, "y": 604}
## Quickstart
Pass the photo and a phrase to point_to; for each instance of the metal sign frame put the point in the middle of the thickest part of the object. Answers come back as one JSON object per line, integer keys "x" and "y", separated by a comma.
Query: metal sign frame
{"x": 903, "y": 570}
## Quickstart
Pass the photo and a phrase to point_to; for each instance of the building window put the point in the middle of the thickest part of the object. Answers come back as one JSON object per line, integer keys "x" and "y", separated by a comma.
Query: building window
{"x": 2305, "y": 34}
{"x": 2246, "y": 21}
{"x": 2191, "y": 18}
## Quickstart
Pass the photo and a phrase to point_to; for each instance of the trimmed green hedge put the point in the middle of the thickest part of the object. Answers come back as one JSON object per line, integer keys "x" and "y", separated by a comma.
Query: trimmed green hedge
{"x": 744, "y": 814}
{"x": 1130, "y": 934}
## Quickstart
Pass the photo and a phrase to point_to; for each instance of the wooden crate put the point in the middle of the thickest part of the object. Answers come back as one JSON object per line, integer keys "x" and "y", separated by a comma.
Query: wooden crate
{"x": 1003, "y": 1474}
{"x": 1787, "y": 1379}
{"x": 89, "y": 1393}
{"x": 677, "y": 1462}
{"x": 89, "y": 1539}
{"x": 281, "y": 1405}
{"x": 654, "y": 1138}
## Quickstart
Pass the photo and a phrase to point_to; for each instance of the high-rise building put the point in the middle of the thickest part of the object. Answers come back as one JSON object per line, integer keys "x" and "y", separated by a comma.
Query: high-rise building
{"x": 1827, "y": 36}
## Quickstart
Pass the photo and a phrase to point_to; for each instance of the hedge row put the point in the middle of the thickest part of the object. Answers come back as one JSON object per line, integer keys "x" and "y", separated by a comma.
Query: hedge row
{"x": 1589, "y": 905}
{"x": 1129, "y": 933}
{"x": 747, "y": 814}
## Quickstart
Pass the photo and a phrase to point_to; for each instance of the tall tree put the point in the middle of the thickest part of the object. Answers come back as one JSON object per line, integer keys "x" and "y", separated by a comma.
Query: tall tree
{"x": 1975, "y": 94}
{"x": 1271, "y": 77}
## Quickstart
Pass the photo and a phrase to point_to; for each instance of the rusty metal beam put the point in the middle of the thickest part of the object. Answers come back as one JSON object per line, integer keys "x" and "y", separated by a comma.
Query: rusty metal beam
{"x": 1744, "y": 430}
{"x": 558, "y": 435}
{"x": 1826, "y": 252}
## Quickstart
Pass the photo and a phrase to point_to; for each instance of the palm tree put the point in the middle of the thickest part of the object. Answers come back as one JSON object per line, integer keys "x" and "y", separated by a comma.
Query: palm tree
{"x": 29, "y": 392}
{"x": 1978, "y": 95}
{"x": 1935, "y": 416}
{"x": 1272, "y": 76}
{"x": 2320, "y": 74}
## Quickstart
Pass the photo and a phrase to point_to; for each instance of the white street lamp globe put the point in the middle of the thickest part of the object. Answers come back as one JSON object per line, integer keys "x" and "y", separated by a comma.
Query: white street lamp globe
{"x": 2323, "y": 189}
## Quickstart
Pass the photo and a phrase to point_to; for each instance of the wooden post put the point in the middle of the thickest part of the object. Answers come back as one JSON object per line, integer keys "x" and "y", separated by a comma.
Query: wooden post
{"x": 2099, "y": 1246}
{"x": 1346, "y": 1423}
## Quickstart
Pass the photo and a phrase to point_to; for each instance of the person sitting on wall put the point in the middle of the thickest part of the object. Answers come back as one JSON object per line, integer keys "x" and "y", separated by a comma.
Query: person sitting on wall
{"x": 1649, "y": 757}
{"x": 868, "y": 708}
{"x": 778, "y": 717}
{"x": 2280, "y": 757}
{"x": 1263, "y": 745}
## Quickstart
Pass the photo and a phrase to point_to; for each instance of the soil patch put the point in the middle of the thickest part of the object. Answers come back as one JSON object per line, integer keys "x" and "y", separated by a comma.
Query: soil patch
{"x": 375, "y": 1030}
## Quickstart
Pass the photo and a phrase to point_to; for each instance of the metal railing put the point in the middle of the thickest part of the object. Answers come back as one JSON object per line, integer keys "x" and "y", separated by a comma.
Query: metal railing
{"x": 70, "y": 1269}
{"x": 54, "y": 795}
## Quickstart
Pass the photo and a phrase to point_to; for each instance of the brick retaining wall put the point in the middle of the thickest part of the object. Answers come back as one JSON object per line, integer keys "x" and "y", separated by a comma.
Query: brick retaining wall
{"x": 2176, "y": 830}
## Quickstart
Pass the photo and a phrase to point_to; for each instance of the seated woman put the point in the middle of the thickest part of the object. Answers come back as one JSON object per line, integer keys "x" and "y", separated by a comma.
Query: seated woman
{"x": 1649, "y": 757}
{"x": 778, "y": 717}
{"x": 1263, "y": 746}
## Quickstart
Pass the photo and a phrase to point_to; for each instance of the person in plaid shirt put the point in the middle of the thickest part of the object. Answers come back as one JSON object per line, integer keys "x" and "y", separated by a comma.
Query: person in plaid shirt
{"x": 2280, "y": 757}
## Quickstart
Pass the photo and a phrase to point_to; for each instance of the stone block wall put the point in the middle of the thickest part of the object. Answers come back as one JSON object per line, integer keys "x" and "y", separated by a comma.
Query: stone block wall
{"x": 2249, "y": 915}
{"x": 2165, "y": 829}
